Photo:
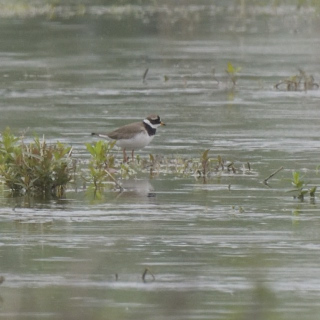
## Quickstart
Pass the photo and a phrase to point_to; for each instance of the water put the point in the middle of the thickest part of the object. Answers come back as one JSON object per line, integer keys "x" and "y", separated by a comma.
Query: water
{"x": 227, "y": 248}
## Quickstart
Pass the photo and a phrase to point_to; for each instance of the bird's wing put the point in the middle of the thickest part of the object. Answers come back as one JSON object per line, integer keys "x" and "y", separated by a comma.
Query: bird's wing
{"x": 127, "y": 131}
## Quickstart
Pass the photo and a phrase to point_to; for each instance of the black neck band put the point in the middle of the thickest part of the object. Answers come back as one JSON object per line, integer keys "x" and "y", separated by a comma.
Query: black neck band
{"x": 150, "y": 130}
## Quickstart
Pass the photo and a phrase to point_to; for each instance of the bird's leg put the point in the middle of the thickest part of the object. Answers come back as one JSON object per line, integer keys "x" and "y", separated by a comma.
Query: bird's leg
{"x": 125, "y": 159}
{"x": 132, "y": 155}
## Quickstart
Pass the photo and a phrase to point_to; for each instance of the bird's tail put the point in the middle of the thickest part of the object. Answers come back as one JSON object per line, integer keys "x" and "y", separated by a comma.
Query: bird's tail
{"x": 101, "y": 135}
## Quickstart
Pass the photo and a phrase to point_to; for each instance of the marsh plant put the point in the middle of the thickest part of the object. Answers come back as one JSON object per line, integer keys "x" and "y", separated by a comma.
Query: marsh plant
{"x": 36, "y": 167}
{"x": 233, "y": 73}
{"x": 299, "y": 82}
{"x": 301, "y": 188}
{"x": 202, "y": 167}
{"x": 41, "y": 168}
{"x": 210, "y": 166}
{"x": 101, "y": 166}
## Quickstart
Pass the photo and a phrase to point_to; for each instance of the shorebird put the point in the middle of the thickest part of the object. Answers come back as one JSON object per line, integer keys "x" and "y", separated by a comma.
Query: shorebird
{"x": 135, "y": 135}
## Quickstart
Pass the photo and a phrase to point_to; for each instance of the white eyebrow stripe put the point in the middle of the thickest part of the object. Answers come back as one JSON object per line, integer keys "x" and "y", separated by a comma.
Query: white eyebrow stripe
{"x": 153, "y": 126}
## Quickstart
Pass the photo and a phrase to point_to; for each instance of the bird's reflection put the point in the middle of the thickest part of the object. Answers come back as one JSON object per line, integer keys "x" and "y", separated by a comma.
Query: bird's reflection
{"x": 137, "y": 188}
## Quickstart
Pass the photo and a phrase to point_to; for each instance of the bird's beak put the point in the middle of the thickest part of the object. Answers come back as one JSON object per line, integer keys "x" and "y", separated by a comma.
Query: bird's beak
{"x": 162, "y": 123}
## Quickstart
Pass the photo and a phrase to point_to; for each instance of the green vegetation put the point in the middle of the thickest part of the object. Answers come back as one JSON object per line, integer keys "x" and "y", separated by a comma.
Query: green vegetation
{"x": 300, "y": 187}
{"x": 233, "y": 73}
{"x": 101, "y": 167}
{"x": 101, "y": 162}
{"x": 39, "y": 168}
{"x": 35, "y": 167}
{"x": 202, "y": 167}
{"x": 299, "y": 82}
{"x": 186, "y": 13}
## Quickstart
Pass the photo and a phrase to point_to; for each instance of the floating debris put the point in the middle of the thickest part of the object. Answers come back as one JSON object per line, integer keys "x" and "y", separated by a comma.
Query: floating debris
{"x": 265, "y": 181}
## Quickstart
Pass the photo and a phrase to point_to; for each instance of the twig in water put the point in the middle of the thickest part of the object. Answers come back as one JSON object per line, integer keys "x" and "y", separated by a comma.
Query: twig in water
{"x": 146, "y": 270}
{"x": 145, "y": 75}
{"x": 114, "y": 180}
{"x": 265, "y": 181}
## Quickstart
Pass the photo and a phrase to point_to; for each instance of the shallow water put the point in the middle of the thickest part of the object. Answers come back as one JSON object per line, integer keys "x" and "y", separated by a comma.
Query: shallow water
{"x": 229, "y": 247}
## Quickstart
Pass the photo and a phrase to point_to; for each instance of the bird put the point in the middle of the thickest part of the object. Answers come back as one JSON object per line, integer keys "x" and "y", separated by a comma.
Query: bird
{"x": 135, "y": 135}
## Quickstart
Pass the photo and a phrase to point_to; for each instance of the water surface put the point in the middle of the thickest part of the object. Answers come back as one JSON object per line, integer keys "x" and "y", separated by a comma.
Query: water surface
{"x": 229, "y": 247}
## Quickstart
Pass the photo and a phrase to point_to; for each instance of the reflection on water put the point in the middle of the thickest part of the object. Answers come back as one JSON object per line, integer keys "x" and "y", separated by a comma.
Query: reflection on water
{"x": 229, "y": 247}
{"x": 137, "y": 189}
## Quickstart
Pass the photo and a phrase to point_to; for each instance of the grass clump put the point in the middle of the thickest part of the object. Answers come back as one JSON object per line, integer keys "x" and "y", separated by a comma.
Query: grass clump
{"x": 35, "y": 168}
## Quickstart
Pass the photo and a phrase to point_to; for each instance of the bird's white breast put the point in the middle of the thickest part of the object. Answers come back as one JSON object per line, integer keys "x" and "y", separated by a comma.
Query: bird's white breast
{"x": 137, "y": 142}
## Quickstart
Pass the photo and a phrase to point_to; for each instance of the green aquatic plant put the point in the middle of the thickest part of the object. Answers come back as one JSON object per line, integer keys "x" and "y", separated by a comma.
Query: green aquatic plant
{"x": 101, "y": 154}
{"x": 128, "y": 170}
{"x": 204, "y": 160}
{"x": 36, "y": 167}
{"x": 40, "y": 168}
{"x": 202, "y": 167}
{"x": 101, "y": 166}
{"x": 299, "y": 82}
{"x": 233, "y": 73}
{"x": 300, "y": 187}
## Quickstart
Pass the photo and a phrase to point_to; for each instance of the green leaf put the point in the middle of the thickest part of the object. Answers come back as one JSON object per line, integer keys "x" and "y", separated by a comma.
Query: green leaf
{"x": 232, "y": 70}
{"x": 98, "y": 147}
{"x": 312, "y": 191}
{"x": 90, "y": 148}
{"x": 204, "y": 156}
